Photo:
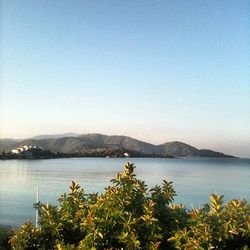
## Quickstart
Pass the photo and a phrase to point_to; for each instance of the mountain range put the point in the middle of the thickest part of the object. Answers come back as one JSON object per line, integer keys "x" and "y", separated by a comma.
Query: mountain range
{"x": 72, "y": 143}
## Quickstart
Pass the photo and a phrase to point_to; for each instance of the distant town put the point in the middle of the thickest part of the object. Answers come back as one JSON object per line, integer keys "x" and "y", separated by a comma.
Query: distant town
{"x": 37, "y": 152}
{"x": 29, "y": 152}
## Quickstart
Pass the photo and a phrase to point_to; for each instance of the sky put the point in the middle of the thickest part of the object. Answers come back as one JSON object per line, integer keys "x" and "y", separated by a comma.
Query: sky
{"x": 157, "y": 71}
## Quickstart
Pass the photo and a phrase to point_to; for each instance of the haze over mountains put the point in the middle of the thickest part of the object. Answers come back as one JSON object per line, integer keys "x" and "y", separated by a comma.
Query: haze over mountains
{"x": 55, "y": 136}
{"x": 71, "y": 143}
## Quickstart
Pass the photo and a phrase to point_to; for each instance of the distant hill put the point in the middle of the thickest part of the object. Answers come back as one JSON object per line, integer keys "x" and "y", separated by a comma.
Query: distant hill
{"x": 177, "y": 148}
{"x": 55, "y": 136}
{"x": 6, "y": 144}
{"x": 92, "y": 142}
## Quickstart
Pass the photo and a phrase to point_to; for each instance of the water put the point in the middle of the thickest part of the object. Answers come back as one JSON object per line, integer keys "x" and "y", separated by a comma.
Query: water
{"x": 194, "y": 180}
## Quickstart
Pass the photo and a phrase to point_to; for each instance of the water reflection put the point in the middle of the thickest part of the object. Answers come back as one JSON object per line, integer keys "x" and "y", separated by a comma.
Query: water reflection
{"x": 194, "y": 180}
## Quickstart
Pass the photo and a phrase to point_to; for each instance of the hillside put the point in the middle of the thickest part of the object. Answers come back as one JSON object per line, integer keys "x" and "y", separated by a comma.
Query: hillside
{"x": 55, "y": 136}
{"x": 8, "y": 144}
{"x": 177, "y": 148}
{"x": 91, "y": 142}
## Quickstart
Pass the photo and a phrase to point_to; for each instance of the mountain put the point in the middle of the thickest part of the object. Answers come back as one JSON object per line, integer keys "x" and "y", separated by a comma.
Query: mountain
{"x": 55, "y": 136}
{"x": 6, "y": 144}
{"x": 94, "y": 142}
{"x": 177, "y": 148}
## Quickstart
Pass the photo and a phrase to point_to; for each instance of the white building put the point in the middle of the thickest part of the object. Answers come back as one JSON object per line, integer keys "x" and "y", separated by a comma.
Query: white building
{"x": 126, "y": 154}
{"x": 23, "y": 148}
{"x": 15, "y": 151}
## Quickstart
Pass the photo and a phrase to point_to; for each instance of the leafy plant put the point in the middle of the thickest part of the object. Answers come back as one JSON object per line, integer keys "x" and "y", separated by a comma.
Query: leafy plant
{"x": 216, "y": 226}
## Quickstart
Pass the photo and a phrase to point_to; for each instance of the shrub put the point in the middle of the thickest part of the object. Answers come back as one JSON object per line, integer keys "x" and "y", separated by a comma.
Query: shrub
{"x": 216, "y": 226}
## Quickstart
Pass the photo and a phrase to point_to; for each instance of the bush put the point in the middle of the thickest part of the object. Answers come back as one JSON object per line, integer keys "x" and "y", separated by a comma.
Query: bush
{"x": 129, "y": 216}
{"x": 216, "y": 226}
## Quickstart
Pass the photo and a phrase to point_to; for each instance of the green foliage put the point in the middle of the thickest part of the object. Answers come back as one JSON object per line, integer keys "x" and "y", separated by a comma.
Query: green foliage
{"x": 216, "y": 226}
{"x": 129, "y": 216}
{"x": 27, "y": 237}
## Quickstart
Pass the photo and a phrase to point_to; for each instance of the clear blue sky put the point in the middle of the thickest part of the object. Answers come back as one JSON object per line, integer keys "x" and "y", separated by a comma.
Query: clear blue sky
{"x": 154, "y": 70}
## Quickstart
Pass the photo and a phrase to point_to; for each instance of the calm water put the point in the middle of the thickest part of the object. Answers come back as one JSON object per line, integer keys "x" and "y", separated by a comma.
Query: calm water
{"x": 194, "y": 180}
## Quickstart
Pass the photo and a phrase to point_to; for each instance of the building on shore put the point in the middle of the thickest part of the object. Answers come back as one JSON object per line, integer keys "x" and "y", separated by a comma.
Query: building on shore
{"x": 25, "y": 151}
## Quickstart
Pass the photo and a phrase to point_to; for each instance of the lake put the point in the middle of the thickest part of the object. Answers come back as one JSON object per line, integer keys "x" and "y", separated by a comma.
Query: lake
{"x": 194, "y": 180}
